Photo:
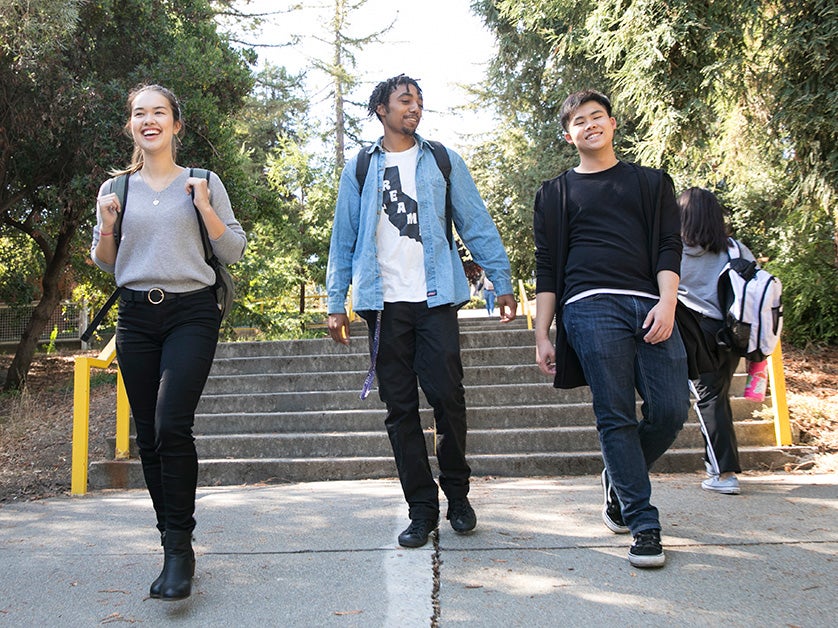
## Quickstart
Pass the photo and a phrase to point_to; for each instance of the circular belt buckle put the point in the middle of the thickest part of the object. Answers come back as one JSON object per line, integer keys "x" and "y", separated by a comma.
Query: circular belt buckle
{"x": 154, "y": 300}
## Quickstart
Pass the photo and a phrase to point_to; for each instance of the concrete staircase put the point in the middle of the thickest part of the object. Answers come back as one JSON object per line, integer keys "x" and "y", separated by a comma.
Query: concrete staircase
{"x": 290, "y": 412}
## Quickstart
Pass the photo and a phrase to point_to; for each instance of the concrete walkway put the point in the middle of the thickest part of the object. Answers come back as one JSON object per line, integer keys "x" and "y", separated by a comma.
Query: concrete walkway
{"x": 325, "y": 554}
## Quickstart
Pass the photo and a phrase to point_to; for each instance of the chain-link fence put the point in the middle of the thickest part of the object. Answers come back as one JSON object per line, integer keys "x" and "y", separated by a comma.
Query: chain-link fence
{"x": 66, "y": 323}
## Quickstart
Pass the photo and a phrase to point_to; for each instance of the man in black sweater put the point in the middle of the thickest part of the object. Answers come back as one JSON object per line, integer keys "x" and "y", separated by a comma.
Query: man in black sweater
{"x": 608, "y": 256}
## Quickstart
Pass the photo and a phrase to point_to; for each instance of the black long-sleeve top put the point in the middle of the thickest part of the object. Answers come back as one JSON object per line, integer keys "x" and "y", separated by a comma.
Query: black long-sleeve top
{"x": 610, "y": 230}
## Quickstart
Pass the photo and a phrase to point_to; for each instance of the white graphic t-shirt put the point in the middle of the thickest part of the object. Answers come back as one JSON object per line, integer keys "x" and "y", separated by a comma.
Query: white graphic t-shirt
{"x": 401, "y": 257}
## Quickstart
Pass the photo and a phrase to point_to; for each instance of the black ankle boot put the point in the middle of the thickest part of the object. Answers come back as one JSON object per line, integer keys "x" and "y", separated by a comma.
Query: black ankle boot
{"x": 154, "y": 590}
{"x": 178, "y": 565}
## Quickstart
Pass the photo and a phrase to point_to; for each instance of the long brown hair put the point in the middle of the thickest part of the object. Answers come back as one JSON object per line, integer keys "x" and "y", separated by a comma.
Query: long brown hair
{"x": 137, "y": 156}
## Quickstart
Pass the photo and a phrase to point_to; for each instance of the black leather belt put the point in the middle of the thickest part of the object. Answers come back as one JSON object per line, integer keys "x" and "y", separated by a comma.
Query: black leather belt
{"x": 156, "y": 296}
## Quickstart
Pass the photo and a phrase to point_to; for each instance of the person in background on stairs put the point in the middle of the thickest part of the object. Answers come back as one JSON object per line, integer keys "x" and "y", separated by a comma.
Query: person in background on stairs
{"x": 705, "y": 235}
{"x": 168, "y": 323}
{"x": 489, "y": 295}
{"x": 390, "y": 242}
{"x": 608, "y": 254}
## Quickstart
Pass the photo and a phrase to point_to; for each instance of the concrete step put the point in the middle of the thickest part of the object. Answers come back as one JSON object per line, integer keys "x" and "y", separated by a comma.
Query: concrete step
{"x": 493, "y": 337}
{"x": 365, "y": 444}
{"x": 479, "y": 417}
{"x": 267, "y": 382}
{"x": 290, "y": 411}
{"x": 369, "y": 419}
{"x": 259, "y": 364}
{"x": 520, "y": 394}
{"x": 503, "y": 395}
{"x": 216, "y": 472}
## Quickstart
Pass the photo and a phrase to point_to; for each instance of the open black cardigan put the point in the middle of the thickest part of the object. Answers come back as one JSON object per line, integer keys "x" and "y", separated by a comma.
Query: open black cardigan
{"x": 550, "y": 229}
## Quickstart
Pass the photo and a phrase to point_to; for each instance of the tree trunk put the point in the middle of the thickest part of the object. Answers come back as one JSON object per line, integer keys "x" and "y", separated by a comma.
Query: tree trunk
{"x": 19, "y": 368}
{"x": 302, "y": 297}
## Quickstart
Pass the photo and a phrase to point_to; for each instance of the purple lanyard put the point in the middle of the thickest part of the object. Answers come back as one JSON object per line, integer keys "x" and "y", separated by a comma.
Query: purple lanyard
{"x": 365, "y": 391}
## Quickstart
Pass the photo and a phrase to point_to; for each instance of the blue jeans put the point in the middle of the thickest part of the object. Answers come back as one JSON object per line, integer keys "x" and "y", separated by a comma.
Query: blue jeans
{"x": 605, "y": 331}
{"x": 489, "y": 296}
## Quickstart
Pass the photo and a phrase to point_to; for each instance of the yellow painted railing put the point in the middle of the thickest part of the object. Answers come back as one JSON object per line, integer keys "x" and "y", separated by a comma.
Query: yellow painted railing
{"x": 81, "y": 415}
{"x": 525, "y": 303}
{"x": 777, "y": 382}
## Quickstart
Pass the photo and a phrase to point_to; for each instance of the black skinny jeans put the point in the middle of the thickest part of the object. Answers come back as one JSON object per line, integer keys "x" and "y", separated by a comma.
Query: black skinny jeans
{"x": 165, "y": 353}
{"x": 418, "y": 341}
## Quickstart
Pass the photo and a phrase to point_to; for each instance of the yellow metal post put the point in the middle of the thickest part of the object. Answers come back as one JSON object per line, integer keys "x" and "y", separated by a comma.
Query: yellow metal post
{"x": 525, "y": 303}
{"x": 81, "y": 420}
{"x": 81, "y": 415}
{"x": 782, "y": 424}
{"x": 122, "y": 423}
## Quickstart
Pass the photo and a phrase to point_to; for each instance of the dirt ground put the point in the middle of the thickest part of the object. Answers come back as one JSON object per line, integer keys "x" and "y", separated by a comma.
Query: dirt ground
{"x": 36, "y": 426}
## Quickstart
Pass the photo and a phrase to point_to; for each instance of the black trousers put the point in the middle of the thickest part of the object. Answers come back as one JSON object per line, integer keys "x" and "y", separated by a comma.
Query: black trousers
{"x": 714, "y": 403}
{"x": 165, "y": 353}
{"x": 421, "y": 342}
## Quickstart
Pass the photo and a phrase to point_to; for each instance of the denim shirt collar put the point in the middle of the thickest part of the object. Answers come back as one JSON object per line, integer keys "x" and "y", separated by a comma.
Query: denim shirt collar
{"x": 377, "y": 145}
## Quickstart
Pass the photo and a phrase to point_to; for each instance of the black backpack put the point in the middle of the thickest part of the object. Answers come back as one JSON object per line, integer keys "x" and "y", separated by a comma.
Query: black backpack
{"x": 443, "y": 162}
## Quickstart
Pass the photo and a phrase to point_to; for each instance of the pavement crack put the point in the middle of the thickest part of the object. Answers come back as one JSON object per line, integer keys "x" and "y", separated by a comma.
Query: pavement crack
{"x": 436, "y": 563}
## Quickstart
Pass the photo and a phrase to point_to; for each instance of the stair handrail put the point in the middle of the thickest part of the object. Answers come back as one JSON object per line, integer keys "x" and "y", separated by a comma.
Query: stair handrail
{"x": 525, "y": 303}
{"x": 779, "y": 403}
{"x": 81, "y": 415}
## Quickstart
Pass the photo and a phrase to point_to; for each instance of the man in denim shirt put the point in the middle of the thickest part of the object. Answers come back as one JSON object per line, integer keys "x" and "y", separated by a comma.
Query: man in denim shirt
{"x": 390, "y": 242}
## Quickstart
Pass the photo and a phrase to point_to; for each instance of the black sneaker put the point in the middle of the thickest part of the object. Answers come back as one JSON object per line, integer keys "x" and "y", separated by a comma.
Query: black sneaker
{"x": 461, "y": 515}
{"x": 647, "y": 550}
{"x": 416, "y": 534}
{"x": 612, "y": 515}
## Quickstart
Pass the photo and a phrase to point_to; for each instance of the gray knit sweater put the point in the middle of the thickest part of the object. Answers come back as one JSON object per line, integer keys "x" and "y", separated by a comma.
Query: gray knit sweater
{"x": 699, "y": 275}
{"x": 161, "y": 244}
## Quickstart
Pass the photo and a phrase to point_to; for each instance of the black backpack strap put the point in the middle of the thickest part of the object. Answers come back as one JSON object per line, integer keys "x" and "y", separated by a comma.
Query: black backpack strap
{"x": 209, "y": 256}
{"x": 119, "y": 186}
{"x": 100, "y": 315}
{"x": 443, "y": 162}
{"x": 362, "y": 165}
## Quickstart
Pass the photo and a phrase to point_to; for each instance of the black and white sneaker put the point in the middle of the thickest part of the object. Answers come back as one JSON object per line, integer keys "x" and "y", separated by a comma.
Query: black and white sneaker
{"x": 612, "y": 514}
{"x": 647, "y": 550}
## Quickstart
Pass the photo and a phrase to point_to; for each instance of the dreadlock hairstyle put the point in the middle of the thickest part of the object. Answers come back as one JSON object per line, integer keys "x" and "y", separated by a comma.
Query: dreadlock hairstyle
{"x": 702, "y": 220}
{"x": 381, "y": 93}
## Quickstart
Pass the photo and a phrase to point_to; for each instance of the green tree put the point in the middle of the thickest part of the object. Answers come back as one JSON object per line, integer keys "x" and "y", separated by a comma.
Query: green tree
{"x": 276, "y": 109}
{"x": 340, "y": 70}
{"x": 738, "y": 96}
{"x": 65, "y": 69}
{"x": 525, "y": 86}
{"x": 289, "y": 250}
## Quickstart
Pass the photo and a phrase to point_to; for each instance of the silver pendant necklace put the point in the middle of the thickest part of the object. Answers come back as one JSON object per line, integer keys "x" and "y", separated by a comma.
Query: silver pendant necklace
{"x": 156, "y": 200}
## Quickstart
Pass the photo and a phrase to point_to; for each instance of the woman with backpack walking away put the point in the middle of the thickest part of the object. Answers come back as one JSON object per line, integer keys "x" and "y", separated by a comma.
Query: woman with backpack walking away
{"x": 169, "y": 317}
{"x": 705, "y": 237}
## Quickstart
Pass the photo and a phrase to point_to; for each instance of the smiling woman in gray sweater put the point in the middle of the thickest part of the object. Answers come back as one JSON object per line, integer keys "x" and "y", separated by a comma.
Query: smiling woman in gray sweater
{"x": 167, "y": 329}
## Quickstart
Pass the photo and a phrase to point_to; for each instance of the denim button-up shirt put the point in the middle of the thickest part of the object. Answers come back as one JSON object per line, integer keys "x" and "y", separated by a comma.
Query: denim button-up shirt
{"x": 352, "y": 253}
